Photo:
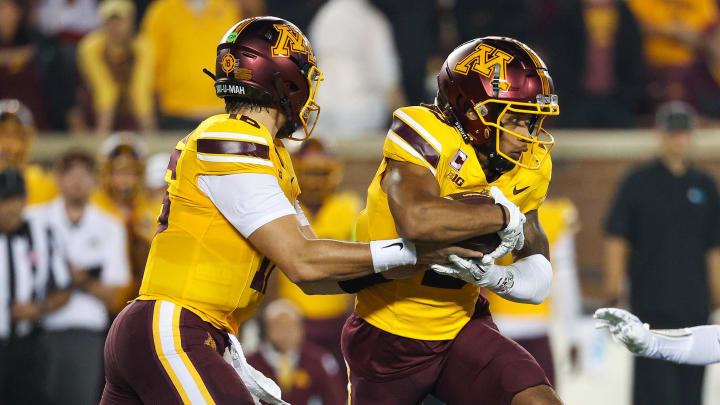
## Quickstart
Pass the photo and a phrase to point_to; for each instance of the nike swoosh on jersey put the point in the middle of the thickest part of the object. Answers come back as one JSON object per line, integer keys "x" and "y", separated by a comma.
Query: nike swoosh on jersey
{"x": 398, "y": 244}
{"x": 516, "y": 191}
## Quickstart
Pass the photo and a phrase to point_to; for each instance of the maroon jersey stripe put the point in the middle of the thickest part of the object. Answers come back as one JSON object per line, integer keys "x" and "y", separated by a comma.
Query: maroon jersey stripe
{"x": 423, "y": 147}
{"x": 228, "y": 147}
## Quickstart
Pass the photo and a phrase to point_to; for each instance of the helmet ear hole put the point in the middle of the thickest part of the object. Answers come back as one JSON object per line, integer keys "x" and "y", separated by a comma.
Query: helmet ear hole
{"x": 292, "y": 86}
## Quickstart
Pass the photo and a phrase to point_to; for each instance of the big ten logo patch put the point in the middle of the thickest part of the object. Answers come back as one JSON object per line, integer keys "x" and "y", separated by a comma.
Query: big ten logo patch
{"x": 483, "y": 61}
{"x": 291, "y": 40}
{"x": 455, "y": 178}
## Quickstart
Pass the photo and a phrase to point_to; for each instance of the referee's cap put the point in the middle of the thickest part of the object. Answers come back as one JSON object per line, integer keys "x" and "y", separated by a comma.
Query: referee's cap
{"x": 675, "y": 116}
{"x": 12, "y": 184}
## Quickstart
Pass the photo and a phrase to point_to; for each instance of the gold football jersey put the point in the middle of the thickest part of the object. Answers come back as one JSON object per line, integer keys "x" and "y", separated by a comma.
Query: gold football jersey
{"x": 334, "y": 220}
{"x": 429, "y": 306}
{"x": 198, "y": 260}
{"x": 557, "y": 218}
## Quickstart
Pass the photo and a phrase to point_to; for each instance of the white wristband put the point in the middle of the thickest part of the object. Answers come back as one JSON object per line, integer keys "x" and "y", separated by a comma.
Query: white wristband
{"x": 390, "y": 253}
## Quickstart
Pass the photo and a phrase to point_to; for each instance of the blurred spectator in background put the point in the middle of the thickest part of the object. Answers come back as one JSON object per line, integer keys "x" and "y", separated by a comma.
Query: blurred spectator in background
{"x": 415, "y": 28}
{"x": 332, "y": 215}
{"x": 355, "y": 46}
{"x": 706, "y": 76}
{"x": 121, "y": 163}
{"x": 95, "y": 245}
{"x": 672, "y": 38}
{"x": 491, "y": 19}
{"x": 116, "y": 68}
{"x": 17, "y": 134}
{"x": 529, "y": 325}
{"x": 663, "y": 233}
{"x": 596, "y": 48}
{"x": 155, "y": 184}
{"x": 299, "y": 12}
{"x": 33, "y": 282}
{"x": 306, "y": 374}
{"x": 184, "y": 35}
{"x": 66, "y": 21}
{"x": 30, "y": 67}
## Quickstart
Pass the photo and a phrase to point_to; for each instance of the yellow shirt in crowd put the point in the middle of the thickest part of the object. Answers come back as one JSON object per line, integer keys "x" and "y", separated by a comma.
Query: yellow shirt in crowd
{"x": 185, "y": 42}
{"x": 692, "y": 15}
{"x": 40, "y": 185}
{"x": 105, "y": 89}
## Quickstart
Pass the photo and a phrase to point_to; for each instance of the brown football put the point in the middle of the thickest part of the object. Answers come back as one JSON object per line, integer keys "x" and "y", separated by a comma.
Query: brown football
{"x": 483, "y": 243}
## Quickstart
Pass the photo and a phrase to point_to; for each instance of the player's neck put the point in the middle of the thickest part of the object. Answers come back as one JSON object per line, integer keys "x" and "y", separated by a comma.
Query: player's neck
{"x": 490, "y": 175}
{"x": 270, "y": 118}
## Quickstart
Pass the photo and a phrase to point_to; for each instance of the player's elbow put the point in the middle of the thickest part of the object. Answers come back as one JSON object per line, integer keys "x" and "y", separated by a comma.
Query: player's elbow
{"x": 300, "y": 273}
{"x": 412, "y": 224}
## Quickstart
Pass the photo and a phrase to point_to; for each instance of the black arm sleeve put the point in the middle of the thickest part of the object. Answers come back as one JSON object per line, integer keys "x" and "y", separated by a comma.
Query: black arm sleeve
{"x": 361, "y": 283}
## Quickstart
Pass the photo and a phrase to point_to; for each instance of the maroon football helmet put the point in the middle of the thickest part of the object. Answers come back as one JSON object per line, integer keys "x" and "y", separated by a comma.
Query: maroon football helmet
{"x": 493, "y": 76}
{"x": 268, "y": 60}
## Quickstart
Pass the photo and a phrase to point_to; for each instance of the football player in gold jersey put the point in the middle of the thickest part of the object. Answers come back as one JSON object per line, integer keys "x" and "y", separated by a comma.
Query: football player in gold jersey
{"x": 229, "y": 218}
{"x": 432, "y": 333}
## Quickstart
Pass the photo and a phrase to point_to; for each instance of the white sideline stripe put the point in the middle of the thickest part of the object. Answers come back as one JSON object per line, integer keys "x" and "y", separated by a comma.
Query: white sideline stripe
{"x": 419, "y": 129}
{"x": 167, "y": 343}
{"x": 234, "y": 159}
{"x": 233, "y": 135}
{"x": 399, "y": 142}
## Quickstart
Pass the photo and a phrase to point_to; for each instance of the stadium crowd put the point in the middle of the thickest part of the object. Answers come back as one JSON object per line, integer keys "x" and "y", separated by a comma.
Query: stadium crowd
{"x": 91, "y": 66}
{"x": 122, "y": 70}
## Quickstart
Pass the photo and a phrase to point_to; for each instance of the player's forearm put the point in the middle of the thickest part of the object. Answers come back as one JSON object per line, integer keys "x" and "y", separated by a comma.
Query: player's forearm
{"x": 698, "y": 346}
{"x": 330, "y": 260}
{"x": 442, "y": 220}
{"x": 321, "y": 260}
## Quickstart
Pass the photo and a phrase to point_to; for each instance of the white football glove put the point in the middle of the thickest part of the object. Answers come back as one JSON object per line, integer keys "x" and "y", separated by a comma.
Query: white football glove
{"x": 512, "y": 237}
{"x": 625, "y": 328}
{"x": 476, "y": 272}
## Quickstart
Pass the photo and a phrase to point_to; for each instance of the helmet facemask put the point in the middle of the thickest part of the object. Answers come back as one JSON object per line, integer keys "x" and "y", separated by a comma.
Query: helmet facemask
{"x": 310, "y": 111}
{"x": 545, "y": 105}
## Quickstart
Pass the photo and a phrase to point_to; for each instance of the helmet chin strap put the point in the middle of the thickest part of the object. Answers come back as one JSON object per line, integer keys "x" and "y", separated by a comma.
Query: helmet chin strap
{"x": 496, "y": 164}
{"x": 290, "y": 124}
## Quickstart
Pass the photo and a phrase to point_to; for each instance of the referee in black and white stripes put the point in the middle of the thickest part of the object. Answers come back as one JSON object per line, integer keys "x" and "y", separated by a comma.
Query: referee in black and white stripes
{"x": 33, "y": 281}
